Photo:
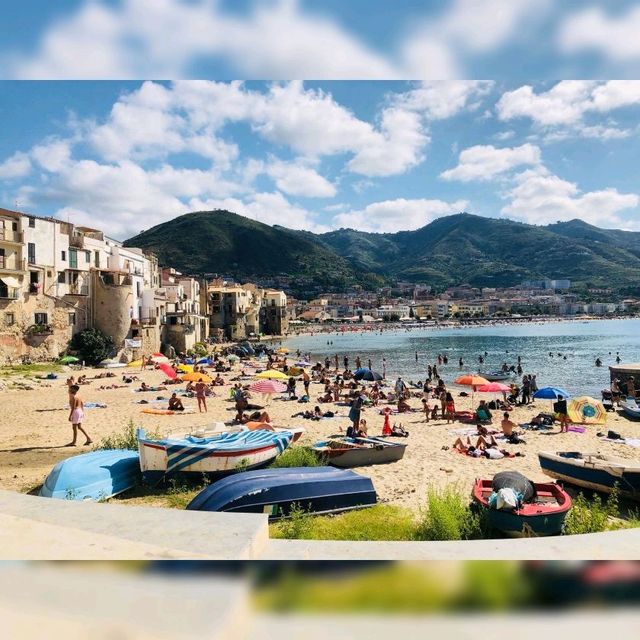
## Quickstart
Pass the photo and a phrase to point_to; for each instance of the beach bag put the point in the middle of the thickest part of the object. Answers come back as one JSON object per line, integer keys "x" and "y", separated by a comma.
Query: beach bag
{"x": 506, "y": 499}
{"x": 614, "y": 435}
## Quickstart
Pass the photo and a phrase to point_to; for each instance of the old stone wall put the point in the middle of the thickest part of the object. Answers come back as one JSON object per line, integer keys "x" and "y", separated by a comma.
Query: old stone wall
{"x": 111, "y": 308}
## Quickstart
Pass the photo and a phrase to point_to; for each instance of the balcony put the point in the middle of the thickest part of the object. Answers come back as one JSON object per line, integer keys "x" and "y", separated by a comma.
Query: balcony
{"x": 12, "y": 237}
{"x": 9, "y": 294}
{"x": 146, "y": 320}
{"x": 78, "y": 290}
{"x": 76, "y": 241}
{"x": 11, "y": 264}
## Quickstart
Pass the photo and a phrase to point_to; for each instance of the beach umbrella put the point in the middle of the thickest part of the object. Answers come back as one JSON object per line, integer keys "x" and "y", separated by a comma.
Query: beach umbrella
{"x": 303, "y": 363}
{"x": 470, "y": 380}
{"x": 372, "y": 376}
{"x": 551, "y": 393}
{"x": 204, "y": 361}
{"x": 272, "y": 374}
{"x": 586, "y": 410}
{"x": 493, "y": 387}
{"x": 158, "y": 358}
{"x": 233, "y": 358}
{"x": 295, "y": 371}
{"x": 68, "y": 360}
{"x": 268, "y": 387}
{"x": 168, "y": 370}
{"x": 283, "y": 350}
{"x": 185, "y": 368}
{"x": 135, "y": 363}
{"x": 360, "y": 373}
{"x": 196, "y": 377}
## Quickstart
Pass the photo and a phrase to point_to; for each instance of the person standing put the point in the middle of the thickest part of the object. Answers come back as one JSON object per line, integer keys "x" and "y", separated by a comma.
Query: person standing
{"x": 306, "y": 380}
{"x": 400, "y": 388}
{"x": 355, "y": 411}
{"x": 201, "y": 390}
{"x": 560, "y": 408}
{"x": 384, "y": 368}
{"x": 76, "y": 415}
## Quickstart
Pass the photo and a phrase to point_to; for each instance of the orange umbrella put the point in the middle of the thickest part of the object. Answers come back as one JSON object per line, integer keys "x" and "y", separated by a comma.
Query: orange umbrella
{"x": 470, "y": 380}
{"x": 196, "y": 377}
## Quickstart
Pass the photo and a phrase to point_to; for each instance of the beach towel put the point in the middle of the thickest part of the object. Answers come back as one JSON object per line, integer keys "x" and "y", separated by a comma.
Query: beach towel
{"x": 165, "y": 412}
{"x": 92, "y": 405}
{"x": 576, "y": 428}
{"x": 632, "y": 442}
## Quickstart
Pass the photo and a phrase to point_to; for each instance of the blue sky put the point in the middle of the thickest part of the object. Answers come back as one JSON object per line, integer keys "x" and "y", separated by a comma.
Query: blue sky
{"x": 377, "y": 156}
{"x": 321, "y": 39}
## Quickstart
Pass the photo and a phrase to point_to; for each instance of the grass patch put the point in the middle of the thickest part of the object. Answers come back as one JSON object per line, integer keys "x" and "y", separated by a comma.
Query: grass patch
{"x": 125, "y": 439}
{"x": 449, "y": 516}
{"x": 596, "y": 515}
{"x": 29, "y": 369}
{"x": 382, "y": 522}
{"x": 296, "y": 457}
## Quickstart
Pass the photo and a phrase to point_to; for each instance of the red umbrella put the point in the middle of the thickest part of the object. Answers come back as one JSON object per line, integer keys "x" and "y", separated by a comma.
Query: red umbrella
{"x": 168, "y": 370}
{"x": 493, "y": 387}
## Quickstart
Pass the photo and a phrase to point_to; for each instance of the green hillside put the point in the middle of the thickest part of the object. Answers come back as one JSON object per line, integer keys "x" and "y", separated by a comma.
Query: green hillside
{"x": 451, "y": 250}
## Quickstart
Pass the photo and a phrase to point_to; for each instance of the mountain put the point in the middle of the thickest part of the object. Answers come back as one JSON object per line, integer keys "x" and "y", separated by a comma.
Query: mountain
{"x": 225, "y": 243}
{"x": 461, "y": 248}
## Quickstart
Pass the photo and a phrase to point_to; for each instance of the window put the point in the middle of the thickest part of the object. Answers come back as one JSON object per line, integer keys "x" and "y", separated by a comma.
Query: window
{"x": 138, "y": 289}
{"x": 87, "y": 256}
{"x": 9, "y": 319}
{"x": 72, "y": 319}
{"x": 61, "y": 279}
{"x": 32, "y": 222}
{"x": 31, "y": 250}
{"x": 73, "y": 258}
{"x": 64, "y": 256}
{"x": 96, "y": 259}
{"x": 41, "y": 318}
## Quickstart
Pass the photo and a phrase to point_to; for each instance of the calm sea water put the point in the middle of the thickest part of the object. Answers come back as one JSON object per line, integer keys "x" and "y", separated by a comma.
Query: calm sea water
{"x": 580, "y": 342}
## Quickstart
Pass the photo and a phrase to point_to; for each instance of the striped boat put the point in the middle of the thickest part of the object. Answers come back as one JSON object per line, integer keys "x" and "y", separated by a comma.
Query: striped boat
{"x": 218, "y": 455}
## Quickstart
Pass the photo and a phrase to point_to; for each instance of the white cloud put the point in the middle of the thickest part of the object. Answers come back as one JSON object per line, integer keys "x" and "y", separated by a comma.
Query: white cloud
{"x": 445, "y": 99}
{"x": 484, "y": 162}
{"x": 52, "y": 155}
{"x": 564, "y": 108}
{"x": 540, "y": 197}
{"x": 296, "y": 179}
{"x": 615, "y": 37}
{"x": 397, "y": 215}
{"x": 16, "y": 166}
{"x": 270, "y": 208}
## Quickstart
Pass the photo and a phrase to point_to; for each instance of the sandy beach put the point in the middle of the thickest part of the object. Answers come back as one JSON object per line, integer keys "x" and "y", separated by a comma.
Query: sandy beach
{"x": 34, "y": 430}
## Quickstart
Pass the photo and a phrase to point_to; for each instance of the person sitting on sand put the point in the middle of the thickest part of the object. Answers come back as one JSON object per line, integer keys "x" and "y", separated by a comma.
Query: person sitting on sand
{"x": 258, "y": 416}
{"x": 76, "y": 415}
{"x": 398, "y": 431}
{"x": 218, "y": 381}
{"x": 403, "y": 406}
{"x": 507, "y": 425}
{"x": 483, "y": 413}
{"x": 362, "y": 429}
{"x": 175, "y": 403}
{"x": 83, "y": 380}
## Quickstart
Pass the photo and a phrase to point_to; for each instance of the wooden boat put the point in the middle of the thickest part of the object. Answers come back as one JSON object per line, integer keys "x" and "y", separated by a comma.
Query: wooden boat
{"x": 631, "y": 408}
{"x": 93, "y": 476}
{"x": 497, "y": 376}
{"x": 274, "y": 491}
{"x": 221, "y": 453}
{"x": 544, "y": 516}
{"x": 340, "y": 451}
{"x": 593, "y": 471}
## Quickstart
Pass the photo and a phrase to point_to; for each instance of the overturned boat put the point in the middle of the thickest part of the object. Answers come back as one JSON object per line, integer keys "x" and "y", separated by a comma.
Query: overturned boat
{"x": 318, "y": 490}
{"x": 96, "y": 475}
{"x": 593, "y": 471}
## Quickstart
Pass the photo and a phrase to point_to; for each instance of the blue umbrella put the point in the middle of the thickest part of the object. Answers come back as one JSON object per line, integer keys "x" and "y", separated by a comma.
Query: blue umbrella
{"x": 360, "y": 373}
{"x": 551, "y": 393}
{"x": 372, "y": 376}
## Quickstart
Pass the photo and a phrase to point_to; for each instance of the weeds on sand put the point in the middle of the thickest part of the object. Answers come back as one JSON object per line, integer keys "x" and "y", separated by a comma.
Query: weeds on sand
{"x": 296, "y": 457}
{"x": 125, "y": 439}
{"x": 595, "y": 515}
{"x": 28, "y": 369}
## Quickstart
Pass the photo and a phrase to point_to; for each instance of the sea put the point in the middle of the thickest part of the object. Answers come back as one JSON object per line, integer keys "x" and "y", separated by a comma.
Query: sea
{"x": 561, "y": 354}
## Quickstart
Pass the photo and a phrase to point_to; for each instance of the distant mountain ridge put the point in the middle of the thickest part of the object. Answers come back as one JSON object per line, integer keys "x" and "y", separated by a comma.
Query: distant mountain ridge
{"x": 461, "y": 248}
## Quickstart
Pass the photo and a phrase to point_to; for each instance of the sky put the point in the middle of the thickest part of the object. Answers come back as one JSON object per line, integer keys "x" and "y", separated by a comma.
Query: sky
{"x": 378, "y": 156}
{"x": 319, "y": 39}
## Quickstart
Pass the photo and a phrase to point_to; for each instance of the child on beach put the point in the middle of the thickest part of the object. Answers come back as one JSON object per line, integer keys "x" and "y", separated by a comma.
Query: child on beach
{"x": 76, "y": 415}
{"x": 427, "y": 409}
{"x": 450, "y": 408}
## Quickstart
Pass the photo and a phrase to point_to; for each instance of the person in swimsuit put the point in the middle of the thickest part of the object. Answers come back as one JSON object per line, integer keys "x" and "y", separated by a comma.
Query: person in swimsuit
{"x": 76, "y": 415}
{"x": 201, "y": 391}
{"x": 175, "y": 403}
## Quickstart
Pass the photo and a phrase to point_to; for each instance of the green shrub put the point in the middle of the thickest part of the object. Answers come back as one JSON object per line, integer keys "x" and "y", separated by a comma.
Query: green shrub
{"x": 382, "y": 522}
{"x": 593, "y": 516}
{"x": 448, "y": 516}
{"x": 296, "y": 457}
{"x": 93, "y": 345}
{"x": 125, "y": 439}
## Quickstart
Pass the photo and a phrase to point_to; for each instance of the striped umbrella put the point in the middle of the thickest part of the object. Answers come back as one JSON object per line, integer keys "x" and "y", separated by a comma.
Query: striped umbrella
{"x": 586, "y": 410}
{"x": 267, "y": 387}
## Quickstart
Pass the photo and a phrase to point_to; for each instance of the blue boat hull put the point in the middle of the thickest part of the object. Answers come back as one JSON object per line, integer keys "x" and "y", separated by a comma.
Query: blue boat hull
{"x": 515, "y": 526}
{"x": 275, "y": 491}
{"x": 591, "y": 477}
{"x": 93, "y": 476}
